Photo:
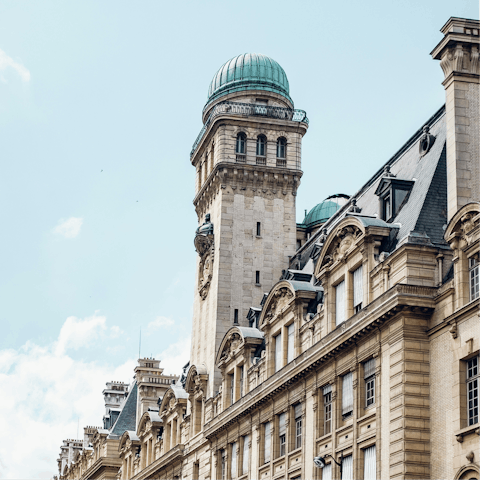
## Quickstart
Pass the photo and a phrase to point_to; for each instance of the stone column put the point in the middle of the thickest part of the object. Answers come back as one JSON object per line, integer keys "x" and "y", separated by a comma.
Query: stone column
{"x": 458, "y": 53}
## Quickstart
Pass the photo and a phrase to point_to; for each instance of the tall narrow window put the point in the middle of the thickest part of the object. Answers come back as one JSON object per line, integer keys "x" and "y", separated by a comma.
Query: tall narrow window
{"x": 297, "y": 410}
{"x": 472, "y": 390}
{"x": 232, "y": 388}
{"x": 370, "y": 463}
{"x": 281, "y": 148}
{"x": 259, "y": 229}
{"x": 282, "y": 434}
{"x": 261, "y": 145}
{"x": 196, "y": 471}
{"x": 246, "y": 451}
{"x": 235, "y": 316}
{"x": 278, "y": 352}
{"x": 291, "y": 342}
{"x": 257, "y": 277}
{"x": 357, "y": 289}
{"x": 241, "y": 380}
{"x": 233, "y": 464}
{"x": 474, "y": 274}
{"x": 327, "y": 472}
{"x": 327, "y": 409}
{"x": 241, "y": 143}
{"x": 340, "y": 303}
{"x": 369, "y": 375}
{"x": 347, "y": 395}
{"x": 222, "y": 464}
{"x": 267, "y": 443}
{"x": 347, "y": 468}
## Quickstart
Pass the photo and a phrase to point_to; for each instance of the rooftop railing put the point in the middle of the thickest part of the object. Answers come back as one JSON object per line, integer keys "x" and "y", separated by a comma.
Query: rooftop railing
{"x": 250, "y": 110}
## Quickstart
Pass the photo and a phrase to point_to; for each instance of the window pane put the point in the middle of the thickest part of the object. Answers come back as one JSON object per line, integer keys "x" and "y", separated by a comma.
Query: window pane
{"x": 340, "y": 303}
{"x": 268, "y": 442}
{"x": 370, "y": 464}
{"x": 474, "y": 279}
{"x": 298, "y": 432}
{"x": 347, "y": 394}
{"x": 291, "y": 340}
{"x": 278, "y": 352}
{"x": 233, "y": 471}
{"x": 347, "y": 468}
{"x": 281, "y": 424}
{"x": 246, "y": 451}
{"x": 358, "y": 286}
{"x": 327, "y": 472}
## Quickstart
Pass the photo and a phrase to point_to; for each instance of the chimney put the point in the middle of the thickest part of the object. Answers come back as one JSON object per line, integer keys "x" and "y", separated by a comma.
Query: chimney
{"x": 458, "y": 53}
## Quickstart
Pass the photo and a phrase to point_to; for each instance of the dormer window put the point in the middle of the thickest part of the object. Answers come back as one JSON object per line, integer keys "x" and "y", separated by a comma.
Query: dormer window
{"x": 392, "y": 193}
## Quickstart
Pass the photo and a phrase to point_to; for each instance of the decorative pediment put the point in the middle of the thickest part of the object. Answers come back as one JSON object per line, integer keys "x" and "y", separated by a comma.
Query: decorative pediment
{"x": 196, "y": 381}
{"x": 175, "y": 398}
{"x": 236, "y": 338}
{"x": 278, "y": 300}
{"x": 462, "y": 230}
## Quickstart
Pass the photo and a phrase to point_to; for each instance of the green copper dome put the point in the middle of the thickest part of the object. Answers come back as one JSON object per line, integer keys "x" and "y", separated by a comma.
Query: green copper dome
{"x": 324, "y": 210}
{"x": 250, "y": 71}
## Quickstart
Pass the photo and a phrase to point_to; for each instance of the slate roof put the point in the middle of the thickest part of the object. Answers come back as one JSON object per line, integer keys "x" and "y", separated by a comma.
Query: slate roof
{"x": 127, "y": 420}
{"x": 422, "y": 216}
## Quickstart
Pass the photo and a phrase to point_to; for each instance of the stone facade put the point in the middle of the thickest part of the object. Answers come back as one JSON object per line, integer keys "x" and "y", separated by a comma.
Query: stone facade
{"x": 355, "y": 356}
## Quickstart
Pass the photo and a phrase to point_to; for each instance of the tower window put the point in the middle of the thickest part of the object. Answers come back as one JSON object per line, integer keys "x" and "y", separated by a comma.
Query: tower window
{"x": 261, "y": 145}
{"x": 281, "y": 148}
{"x": 259, "y": 229}
{"x": 257, "y": 277}
{"x": 241, "y": 143}
{"x": 235, "y": 316}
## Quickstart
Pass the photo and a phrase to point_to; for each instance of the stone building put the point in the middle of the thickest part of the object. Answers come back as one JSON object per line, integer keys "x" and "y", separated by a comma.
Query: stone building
{"x": 343, "y": 347}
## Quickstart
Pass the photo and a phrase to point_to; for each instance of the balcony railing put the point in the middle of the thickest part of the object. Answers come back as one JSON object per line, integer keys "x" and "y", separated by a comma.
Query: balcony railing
{"x": 250, "y": 110}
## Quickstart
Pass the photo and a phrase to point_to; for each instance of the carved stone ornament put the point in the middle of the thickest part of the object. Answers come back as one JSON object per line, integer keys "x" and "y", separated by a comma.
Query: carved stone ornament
{"x": 231, "y": 345}
{"x": 281, "y": 298}
{"x": 468, "y": 222}
{"x": 426, "y": 141}
{"x": 346, "y": 238}
{"x": 204, "y": 245}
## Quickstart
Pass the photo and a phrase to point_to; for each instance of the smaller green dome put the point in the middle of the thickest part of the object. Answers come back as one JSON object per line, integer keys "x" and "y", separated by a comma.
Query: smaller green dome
{"x": 250, "y": 71}
{"x": 324, "y": 210}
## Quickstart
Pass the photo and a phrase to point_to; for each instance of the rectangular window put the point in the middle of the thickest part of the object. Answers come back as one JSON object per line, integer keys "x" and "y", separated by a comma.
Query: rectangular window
{"x": 222, "y": 464}
{"x": 235, "y": 316}
{"x": 357, "y": 289}
{"x": 291, "y": 342}
{"x": 472, "y": 390}
{"x": 327, "y": 472}
{"x": 267, "y": 443}
{"x": 370, "y": 463}
{"x": 369, "y": 375}
{"x": 347, "y": 468}
{"x": 298, "y": 424}
{"x": 246, "y": 451}
{"x": 387, "y": 208}
{"x": 347, "y": 395}
{"x": 282, "y": 434}
{"x": 231, "y": 385}
{"x": 259, "y": 229}
{"x": 278, "y": 352}
{"x": 474, "y": 274}
{"x": 241, "y": 381}
{"x": 233, "y": 464}
{"x": 257, "y": 277}
{"x": 340, "y": 303}
{"x": 327, "y": 409}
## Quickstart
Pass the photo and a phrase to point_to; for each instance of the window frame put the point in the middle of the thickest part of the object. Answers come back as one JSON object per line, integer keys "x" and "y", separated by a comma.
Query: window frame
{"x": 370, "y": 382}
{"x": 327, "y": 409}
{"x": 473, "y": 388}
{"x": 267, "y": 458}
{"x": 282, "y": 148}
{"x": 340, "y": 307}
{"x": 245, "y": 454}
{"x": 357, "y": 284}
{"x": 282, "y": 437}
{"x": 347, "y": 387}
{"x": 290, "y": 330}
{"x": 261, "y": 146}
{"x": 298, "y": 421}
{"x": 473, "y": 277}
{"x": 278, "y": 355}
{"x": 241, "y": 143}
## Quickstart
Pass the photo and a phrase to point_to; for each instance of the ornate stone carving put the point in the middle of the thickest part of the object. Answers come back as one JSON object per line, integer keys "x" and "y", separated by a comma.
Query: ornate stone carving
{"x": 204, "y": 245}
{"x": 280, "y": 300}
{"x": 231, "y": 345}
{"x": 426, "y": 141}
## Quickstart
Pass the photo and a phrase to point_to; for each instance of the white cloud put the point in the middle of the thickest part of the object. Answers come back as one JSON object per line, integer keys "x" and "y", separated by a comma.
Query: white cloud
{"x": 69, "y": 228}
{"x": 9, "y": 62}
{"x": 47, "y": 392}
{"x": 160, "y": 322}
{"x": 175, "y": 357}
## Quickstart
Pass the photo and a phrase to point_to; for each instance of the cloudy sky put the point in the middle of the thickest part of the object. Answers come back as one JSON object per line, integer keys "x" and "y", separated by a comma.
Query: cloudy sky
{"x": 100, "y": 103}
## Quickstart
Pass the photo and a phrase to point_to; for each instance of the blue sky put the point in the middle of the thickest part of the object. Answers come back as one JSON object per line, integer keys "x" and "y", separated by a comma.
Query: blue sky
{"x": 100, "y": 103}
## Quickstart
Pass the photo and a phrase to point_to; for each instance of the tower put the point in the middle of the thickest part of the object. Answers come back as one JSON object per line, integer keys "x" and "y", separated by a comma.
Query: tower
{"x": 248, "y": 163}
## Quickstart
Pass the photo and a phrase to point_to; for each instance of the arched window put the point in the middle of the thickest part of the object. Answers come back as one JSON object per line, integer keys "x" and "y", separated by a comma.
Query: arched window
{"x": 261, "y": 146}
{"x": 281, "y": 148}
{"x": 241, "y": 143}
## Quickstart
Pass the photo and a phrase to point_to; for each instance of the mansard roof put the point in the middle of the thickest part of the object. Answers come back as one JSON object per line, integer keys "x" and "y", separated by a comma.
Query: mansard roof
{"x": 127, "y": 419}
{"x": 424, "y": 210}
